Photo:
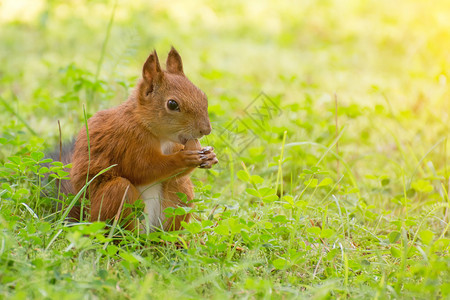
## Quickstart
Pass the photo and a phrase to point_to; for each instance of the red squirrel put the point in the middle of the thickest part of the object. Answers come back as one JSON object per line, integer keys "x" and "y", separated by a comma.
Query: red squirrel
{"x": 144, "y": 138}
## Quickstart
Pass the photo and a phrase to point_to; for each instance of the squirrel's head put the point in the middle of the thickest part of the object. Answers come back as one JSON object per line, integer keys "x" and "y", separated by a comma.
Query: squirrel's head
{"x": 170, "y": 105}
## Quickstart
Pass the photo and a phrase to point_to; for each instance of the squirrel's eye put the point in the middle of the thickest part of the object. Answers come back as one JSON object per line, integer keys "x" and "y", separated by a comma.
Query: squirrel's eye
{"x": 173, "y": 105}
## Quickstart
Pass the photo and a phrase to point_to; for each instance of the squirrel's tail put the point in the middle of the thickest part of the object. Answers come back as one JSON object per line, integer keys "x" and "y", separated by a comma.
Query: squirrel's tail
{"x": 64, "y": 155}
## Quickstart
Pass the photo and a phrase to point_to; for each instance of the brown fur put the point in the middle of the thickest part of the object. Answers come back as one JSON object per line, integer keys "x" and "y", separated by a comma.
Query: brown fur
{"x": 130, "y": 136}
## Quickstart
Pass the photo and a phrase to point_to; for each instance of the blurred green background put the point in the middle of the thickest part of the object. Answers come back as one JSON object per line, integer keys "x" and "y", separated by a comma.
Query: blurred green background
{"x": 365, "y": 51}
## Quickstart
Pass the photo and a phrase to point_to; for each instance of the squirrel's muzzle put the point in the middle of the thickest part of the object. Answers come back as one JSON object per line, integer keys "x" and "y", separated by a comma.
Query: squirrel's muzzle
{"x": 205, "y": 128}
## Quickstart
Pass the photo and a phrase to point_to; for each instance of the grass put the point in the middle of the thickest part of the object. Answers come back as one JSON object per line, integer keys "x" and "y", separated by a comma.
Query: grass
{"x": 330, "y": 121}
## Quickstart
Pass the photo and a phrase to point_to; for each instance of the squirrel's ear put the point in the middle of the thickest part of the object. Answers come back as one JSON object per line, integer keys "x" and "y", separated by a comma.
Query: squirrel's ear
{"x": 174, "y": 63}
{"x": 151, "y": 70}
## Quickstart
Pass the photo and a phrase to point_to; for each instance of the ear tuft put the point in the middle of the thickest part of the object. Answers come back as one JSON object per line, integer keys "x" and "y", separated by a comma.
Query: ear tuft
{"x": 174, "y": 64}
{"x": 151, "y": 70}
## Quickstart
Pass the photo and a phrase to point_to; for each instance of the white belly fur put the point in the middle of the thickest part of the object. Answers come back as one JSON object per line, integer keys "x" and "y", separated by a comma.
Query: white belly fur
{"x": 152, "y": 196}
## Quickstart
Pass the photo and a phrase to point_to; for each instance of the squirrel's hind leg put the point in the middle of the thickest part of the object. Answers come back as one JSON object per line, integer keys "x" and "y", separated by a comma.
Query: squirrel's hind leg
{"x": 171, "y": 199}
{"x": 106, "y": 199}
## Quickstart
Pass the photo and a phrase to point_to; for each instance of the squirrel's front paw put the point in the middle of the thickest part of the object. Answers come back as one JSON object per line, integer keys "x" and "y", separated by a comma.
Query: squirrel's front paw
{"x": 209, "y": 158}
{"x": 203, "y": 158}
{"x": 192, "y": 158}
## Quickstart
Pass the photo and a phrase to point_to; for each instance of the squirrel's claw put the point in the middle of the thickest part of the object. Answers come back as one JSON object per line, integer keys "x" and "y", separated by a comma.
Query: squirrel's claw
{"x": 206, "y": 150}
{"x": 209, "y": 163}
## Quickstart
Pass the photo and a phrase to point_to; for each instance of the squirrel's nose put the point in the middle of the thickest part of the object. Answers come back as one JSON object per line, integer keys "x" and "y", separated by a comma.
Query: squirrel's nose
{"x": 206, "y": 129}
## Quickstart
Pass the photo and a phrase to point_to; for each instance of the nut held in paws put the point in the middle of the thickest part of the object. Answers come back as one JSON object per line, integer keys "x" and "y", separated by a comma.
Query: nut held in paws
{"x": 193, "y": 145}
